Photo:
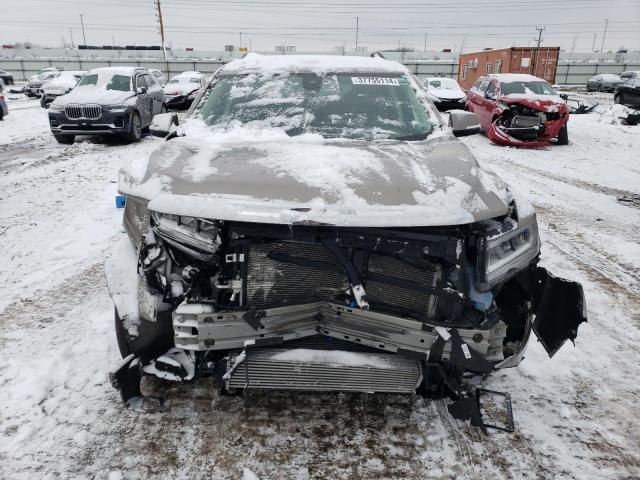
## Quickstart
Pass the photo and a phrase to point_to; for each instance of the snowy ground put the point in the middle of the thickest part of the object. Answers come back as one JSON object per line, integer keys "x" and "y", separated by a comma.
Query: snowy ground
{"x": 576, "y": 415}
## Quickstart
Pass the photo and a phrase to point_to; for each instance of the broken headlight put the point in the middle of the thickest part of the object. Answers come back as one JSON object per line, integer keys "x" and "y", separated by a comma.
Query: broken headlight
{"x": 503, "y": 255}
{"x": 195, "y": 236}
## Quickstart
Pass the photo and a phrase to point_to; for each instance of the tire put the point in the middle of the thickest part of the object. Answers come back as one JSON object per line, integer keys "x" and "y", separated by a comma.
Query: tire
{"x": 65, "y": 139}
{"x": 563, "y": 135}
{"x": 617, "y": 98}
{"x": 121, "y": 336}
{"x": 135, "y": 128}
{"x": 1, "y": 115}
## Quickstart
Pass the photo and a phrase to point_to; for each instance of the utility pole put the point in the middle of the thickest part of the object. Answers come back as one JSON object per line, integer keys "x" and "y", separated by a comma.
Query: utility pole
{"x": 71, "y": 34}
{"x": 425, "y": 42}
{"x": 540, "y": 30}
{"x": 84, "y": 39}
{"x": 161, "y": 23}
{"x": 240, "y": 39}
{"x": 357, "y": 31}
{"x": 606, "y": 23}
{"x": 534, "y": 67}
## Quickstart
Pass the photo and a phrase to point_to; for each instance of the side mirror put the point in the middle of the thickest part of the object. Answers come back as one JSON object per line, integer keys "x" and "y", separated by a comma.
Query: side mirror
{"x": 490, "y": 95}
{"x": 163, "y": 124}
{"x": 141, "y": 90}
{"x": 463, "y": 123}
{"x": 564, "y": 96}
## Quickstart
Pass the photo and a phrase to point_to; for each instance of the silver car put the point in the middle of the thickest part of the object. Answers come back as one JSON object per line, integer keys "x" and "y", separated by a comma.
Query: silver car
{"x": 313, "y": 225}
{"x": 604, "y": 82}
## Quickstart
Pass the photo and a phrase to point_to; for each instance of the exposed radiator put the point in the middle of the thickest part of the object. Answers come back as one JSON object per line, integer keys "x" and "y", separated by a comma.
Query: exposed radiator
{"x": 272, "y": 283}
{"x": 324, "y": 370}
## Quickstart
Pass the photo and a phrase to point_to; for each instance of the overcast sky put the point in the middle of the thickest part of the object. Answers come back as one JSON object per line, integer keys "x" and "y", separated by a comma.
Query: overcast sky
{"x": 322, "y": 25}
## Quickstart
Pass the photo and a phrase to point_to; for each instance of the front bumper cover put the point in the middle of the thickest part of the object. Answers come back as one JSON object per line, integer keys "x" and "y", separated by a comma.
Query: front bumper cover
{"x": 110, "y": 122}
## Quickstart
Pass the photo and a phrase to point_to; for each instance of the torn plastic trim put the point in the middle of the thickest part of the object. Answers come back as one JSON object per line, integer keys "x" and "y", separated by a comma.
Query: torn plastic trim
{"x": 560, "y": 308}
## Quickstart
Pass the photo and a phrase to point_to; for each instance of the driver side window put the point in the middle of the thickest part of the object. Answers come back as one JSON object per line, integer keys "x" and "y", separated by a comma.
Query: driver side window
{"x": 141, "y": 82}
{"x": 491, "y": 91}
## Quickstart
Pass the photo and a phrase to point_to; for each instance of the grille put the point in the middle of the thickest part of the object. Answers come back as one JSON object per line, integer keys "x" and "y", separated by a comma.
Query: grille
{"x": 261, "y": 371}
{"x": 272, "y": 283}
{"x": 89, "y": 112}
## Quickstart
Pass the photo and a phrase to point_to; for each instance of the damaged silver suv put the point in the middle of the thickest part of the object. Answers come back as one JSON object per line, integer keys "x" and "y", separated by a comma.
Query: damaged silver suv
{"x": 313, "y": 225}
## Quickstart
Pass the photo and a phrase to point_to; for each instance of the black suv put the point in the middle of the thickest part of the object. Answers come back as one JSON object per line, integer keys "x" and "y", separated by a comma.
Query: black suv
{"x": 108, "y": 101}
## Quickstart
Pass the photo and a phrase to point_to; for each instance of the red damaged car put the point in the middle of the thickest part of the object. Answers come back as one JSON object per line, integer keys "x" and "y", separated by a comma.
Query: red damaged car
{"x": 519, "y": 110}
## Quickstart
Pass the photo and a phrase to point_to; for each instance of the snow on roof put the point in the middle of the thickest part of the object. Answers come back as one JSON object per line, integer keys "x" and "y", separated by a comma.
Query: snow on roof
{"x": 516, "y": 77}
{"x": 115, "y": 70}
{"x": 311, "y": 63}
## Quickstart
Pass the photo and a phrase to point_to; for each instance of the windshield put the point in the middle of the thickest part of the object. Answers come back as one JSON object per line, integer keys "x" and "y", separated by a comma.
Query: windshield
{"x": 333, "y": 105}
{"x": 107, "y": 81}
{"x": 184, "y": 80}
{"x": 444, "y": 83}
{"x": 538, "y": 88}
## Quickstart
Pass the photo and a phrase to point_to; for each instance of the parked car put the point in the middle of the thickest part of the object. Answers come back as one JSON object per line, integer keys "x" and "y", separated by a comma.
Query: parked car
{"x": 182, "y": 90}
{"x": 6, "y": 77}
{"x": 624, "y": 76}
{"x": 4, "y": 110}
{"x": 519, "y": 110}
{"x": 60, "y": 85}
{"x": 315, "y": 226}
{"x": 628, "y": 93}
{"x": 34, "y": 87}
{"x": 158, "y": 76}
{"x": 603, "y": 82}
{"x": 445, "y": 93}
{"x": 107, "y": 101}
{"x": 45, "y": 70}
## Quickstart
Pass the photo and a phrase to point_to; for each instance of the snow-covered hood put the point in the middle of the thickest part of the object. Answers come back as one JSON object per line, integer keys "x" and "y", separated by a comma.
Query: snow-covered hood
{"x": 61, "y": 83}
{"x": 89, "y": 94}
{"x": 180, "y": 88}
{"x": 447, "y": 93}
{"x": 543, "y": 103}
{"x": 345, "y": 183}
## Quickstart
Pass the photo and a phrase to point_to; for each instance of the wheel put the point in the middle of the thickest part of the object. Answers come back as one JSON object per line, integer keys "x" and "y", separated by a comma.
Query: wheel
{"x": 617, "y": 98}
{"x": 121, "y": 336}
{"x": 65, "y": 139}
{"x": 135, "y": 128}
{"x": 563, "y": 135}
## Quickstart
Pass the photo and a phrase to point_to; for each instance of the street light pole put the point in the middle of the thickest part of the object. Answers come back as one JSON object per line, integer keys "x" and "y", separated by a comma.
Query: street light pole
{"x": 357, "y": 31}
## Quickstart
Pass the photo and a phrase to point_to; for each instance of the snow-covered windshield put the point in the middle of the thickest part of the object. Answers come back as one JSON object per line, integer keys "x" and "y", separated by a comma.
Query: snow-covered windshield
{"x": 444, "y": 83}
{"x": 176, "y": 80}
{"x": 107, "y": 81}
{"x": 538, "y": 88}
{"x": 332, "y": 105}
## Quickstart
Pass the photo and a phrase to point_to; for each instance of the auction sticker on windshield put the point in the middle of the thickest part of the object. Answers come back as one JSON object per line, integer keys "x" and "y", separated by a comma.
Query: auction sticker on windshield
{"x": 374, "y": 81}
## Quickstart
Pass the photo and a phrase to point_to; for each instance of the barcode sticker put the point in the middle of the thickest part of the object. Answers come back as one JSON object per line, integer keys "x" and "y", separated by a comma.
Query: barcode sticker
{"x": 374, "y": 81}
{"x": 465, "y": 350}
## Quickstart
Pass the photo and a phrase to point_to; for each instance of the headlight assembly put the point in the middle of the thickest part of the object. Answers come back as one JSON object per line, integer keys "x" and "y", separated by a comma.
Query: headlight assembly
{"x": 502, "y": 256}
{"x": 118, "y": 106}
{"x": 195, "y": 236}
{"x": 56, "y": 108}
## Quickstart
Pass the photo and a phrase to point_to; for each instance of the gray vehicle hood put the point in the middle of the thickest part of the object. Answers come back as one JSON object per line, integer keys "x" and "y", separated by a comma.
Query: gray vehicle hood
{"x": 90, "y": 94}
{"x": 312, "y": 180}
